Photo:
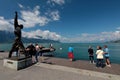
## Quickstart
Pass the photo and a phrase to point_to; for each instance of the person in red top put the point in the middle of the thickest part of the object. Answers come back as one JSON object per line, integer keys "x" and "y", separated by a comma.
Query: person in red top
{"x": 70, "y": 53}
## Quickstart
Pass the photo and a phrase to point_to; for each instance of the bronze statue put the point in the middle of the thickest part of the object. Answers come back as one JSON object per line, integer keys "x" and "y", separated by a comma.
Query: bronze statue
{"x": 17, "y": 45}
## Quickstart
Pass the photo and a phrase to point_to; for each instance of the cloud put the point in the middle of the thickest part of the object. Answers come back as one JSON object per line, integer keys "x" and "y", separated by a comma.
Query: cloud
{"x": 5, "y": 24}
{"x": 20, "y": 5}
{"x": 53, "y": 2}
{"x": 33, "y": 18}
{"x": 118, "y": 28}
{"x": 30, "y": 18}
{"x": 55, "y": 15}
{"x": 100, "y": 37}
{"x": 42, "y": 34}
{"x": 85, "y": 37}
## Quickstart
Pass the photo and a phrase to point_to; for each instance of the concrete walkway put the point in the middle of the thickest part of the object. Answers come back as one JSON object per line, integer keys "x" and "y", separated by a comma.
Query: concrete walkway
{"x": 81, "y": 64}
{"x": 81, "y": 72}
{"x": 59, "y": 69}
{"x": 40, "y": 72}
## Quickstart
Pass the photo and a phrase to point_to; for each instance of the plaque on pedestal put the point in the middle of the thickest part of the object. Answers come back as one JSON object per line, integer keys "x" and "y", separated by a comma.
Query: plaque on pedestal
{"x": 17, "y": 63}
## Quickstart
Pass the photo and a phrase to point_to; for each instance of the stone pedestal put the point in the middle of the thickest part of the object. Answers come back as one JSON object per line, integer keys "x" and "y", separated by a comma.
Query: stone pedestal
{"x": 17, "y": 64}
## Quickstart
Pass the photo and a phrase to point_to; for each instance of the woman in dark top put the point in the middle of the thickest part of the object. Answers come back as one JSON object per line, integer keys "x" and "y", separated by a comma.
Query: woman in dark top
{"x": 91, "y": 54}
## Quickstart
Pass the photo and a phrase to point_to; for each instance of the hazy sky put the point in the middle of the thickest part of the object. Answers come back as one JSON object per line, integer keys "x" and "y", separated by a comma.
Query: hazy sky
{"x": 64, "y": 20}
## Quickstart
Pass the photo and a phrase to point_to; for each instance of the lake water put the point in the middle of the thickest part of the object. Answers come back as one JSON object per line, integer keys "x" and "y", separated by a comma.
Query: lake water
{"x": 80, "y": 50}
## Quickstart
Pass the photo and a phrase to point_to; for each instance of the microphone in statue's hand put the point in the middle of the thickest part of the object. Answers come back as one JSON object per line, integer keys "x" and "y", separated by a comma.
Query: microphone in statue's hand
{"x": 15, "y": 12}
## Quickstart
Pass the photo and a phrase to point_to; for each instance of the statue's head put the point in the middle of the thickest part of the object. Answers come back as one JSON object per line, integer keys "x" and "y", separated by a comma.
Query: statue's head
{"x": 21, "y": 26}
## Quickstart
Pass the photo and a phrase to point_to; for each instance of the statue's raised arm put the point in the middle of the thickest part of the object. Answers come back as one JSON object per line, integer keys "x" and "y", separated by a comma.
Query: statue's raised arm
{"x": 15, "y": 20}
{"x": 17, "y": 27}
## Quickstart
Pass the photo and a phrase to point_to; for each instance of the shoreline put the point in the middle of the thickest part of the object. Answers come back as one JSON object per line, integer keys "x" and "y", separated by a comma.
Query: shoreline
{"x": 6, "y": 52}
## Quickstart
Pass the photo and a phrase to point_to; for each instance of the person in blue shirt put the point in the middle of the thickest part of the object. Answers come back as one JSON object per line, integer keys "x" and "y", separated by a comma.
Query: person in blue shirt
{"x": 70, "y": 53}
{"x": 70, "y": 49}
{"x": 106, "y": 55}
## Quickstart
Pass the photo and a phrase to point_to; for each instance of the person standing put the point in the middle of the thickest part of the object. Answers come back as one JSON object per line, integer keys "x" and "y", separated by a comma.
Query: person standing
{"x": 37, "y": 52}
{"x": 91, "y": 54}
{"x": 106, "y": 55}
{"x": 51, "y": 45}
{"x": 70, "y": 53}
{"x": 100, "y": 57}
{"x": 30, "y": 49}
{"x": 41, "y": 53}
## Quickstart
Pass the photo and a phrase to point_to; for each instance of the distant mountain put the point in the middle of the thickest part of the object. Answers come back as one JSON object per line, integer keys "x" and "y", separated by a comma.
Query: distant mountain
{"x": 33, "y": 40}
{"x": 8, "y": 37}
{"x": 114, "y": 41}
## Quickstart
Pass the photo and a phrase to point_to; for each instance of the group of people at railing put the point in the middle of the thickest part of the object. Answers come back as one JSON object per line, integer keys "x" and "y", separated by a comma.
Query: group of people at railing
{"x": 102, "y": 55}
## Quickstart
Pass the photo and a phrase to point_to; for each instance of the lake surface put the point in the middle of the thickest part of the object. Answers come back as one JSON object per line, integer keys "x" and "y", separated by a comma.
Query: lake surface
{"x": 80, "y": 50}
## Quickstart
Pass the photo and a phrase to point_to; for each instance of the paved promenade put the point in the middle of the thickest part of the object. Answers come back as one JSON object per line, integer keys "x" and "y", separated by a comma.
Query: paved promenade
{"x": 60, "y": 69}
{"x": 81, "y": 64}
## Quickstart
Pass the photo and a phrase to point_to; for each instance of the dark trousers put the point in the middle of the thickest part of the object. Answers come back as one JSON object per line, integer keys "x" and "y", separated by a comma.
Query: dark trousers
{"x": 36, "y": 56}
{"x": 99, "y": 63}
{"x": 91, "y": 58}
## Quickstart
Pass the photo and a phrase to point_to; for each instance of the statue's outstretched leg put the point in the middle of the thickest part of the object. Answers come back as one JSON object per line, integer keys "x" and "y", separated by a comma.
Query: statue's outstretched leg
{"x": 14, "y": 48}
{"x": 10, "y": 53}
